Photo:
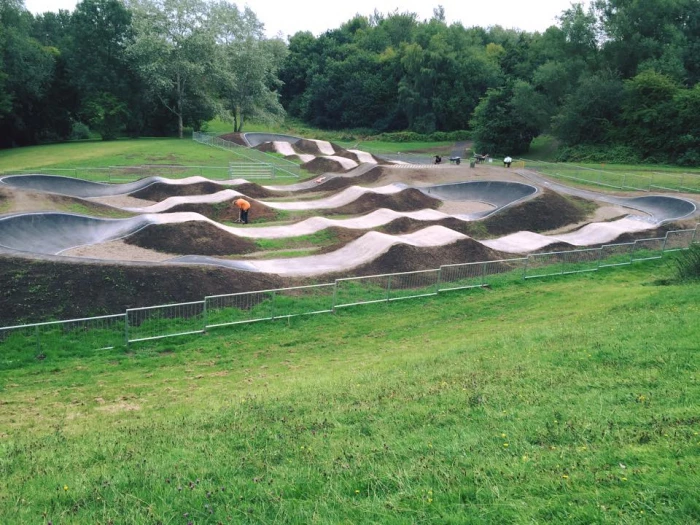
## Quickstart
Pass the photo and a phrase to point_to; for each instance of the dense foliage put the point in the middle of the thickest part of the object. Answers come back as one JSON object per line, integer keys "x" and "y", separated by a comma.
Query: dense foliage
{"x": 621, "y": 75}
{"x": 132, "y": 66}
{"x": 618, "y": 78}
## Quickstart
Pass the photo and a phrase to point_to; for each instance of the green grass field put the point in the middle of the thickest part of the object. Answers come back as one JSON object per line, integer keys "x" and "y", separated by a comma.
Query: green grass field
{"x": 572, "y": 399}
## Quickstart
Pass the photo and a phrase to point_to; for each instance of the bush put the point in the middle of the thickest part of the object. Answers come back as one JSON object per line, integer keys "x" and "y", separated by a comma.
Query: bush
{"x": 615, "y": 154}
{"x": 688, "y": 264}
{"x": 80, "y": 131}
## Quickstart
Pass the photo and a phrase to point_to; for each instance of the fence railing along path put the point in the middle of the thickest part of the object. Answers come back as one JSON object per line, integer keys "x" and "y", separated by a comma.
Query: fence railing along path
{"x": 172, "y": 320}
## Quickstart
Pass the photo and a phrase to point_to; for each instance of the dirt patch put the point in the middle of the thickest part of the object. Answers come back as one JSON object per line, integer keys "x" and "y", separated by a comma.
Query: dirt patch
{"x": 256, "y": 191}
{"x": 405, "y": 258}
{"x": 40, "y": 290}
{"x": 190, "y": 238}
{"x": 228, "y": 211}
{"x": 405, "y": 225}
{"x": 546, "y": 212}
{"x": 160, "y": 191}
{"x": 342, "y": 237}
{"x": 406, "y": 200}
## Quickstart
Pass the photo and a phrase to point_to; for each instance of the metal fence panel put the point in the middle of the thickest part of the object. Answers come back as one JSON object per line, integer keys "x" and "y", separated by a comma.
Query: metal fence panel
{"x": 678, "y": 240}
{"x": 251, "y": 170}
{"x": 544, "y": 265}
{"x": 646, "y": 249}
{"x": 579, "y": 261}
{"x": 156, "y": 322}
{"x": 352, "y": 291}
{"x": 237, "y": 308}
{"x": 57, "y": 337}
{"x": 461, "y": 276}
{"x": 616, "y": 254}
{"x": 304, "y": 300}
{"x": 413, "y": 284}
{"x": 504, "y": 271}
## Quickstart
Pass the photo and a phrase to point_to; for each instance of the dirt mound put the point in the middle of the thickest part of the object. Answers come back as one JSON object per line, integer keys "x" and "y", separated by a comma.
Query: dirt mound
{"x": 310, "y": 147}
{"x": 13, "y": 200}
{"x": 266, "y": 147}
{"x": 406, "y": 200}
{"x": 228, "y": 211}
{"x": 546, "y": 212}
{"x": 190, "y": 238}
{"x": 405, "y": 258}
{"x": 160, "y": 191}
{"x": 323, "y": 165}
{"x": 404, "y": 225}
{"x": 256, "y": 191}
{"x": 340, "y": 182}
{"x": 38, "y": 290}
{"x": 234, "y": 137}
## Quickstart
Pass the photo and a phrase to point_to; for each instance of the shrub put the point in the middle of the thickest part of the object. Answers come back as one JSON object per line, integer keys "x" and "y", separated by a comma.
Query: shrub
{"x": 80, "y": 131}
{"x": 688, "y": 264}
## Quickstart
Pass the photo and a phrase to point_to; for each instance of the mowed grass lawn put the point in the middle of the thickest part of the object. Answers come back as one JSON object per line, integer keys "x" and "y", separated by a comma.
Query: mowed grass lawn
{"x": 574, "y": 399}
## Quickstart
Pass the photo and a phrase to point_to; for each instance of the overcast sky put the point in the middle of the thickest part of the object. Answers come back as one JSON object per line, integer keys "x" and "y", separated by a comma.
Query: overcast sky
{"x": 289, "y": 16}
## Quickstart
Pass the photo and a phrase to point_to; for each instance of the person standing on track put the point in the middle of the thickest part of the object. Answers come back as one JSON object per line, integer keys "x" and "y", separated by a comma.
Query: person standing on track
{"x": 243, "y": 206}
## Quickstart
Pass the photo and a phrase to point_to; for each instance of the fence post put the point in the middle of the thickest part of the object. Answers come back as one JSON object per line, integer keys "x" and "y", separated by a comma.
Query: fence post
{"x": 272, "y": 305}
{"x": 388, "y": 288}
{"x": 205, "y": 315}
{"x": 632, "y": 251}
{"x": 600, "y": 258}
{"x": 527, "y": 259}
{"x": 335, "y": 295}
{"x": 483, "y": 274}
{"x": 663, "y": 248}
{"x": 126, "y": 328}
{"x": 439, "y": 280}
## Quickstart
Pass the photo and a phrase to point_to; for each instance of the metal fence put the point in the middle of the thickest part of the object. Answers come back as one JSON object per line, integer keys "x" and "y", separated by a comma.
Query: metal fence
{"x": 157, "y": 322}
{"x": 282, "y": 166}
{"x": 120, "y": 174}
{"x": 639, "y": 181}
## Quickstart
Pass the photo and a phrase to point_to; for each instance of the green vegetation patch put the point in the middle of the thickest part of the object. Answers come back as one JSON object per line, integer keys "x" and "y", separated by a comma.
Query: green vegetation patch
{"x": 566, "y": 399}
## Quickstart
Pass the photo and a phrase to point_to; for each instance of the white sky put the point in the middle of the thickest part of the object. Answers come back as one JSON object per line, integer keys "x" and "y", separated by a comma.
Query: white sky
{"x": 289, "y": 16}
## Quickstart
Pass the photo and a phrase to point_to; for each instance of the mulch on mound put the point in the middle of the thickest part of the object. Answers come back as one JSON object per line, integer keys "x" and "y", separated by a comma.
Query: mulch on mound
{"x": 405, "y": 258}
{"x": 228, "y": 211}
{"x": 324, "y": 165}
{"x": 404, "y": 225}
{"x": 190, "y": 238}
{"x": 340, "y": 182}
{"x": 547, "y": 211}
{"x": 256, "y": 191}
{"x": 38, "y": 290}
{"x": 406, "y": 200}
{"x": 160, "y": 191}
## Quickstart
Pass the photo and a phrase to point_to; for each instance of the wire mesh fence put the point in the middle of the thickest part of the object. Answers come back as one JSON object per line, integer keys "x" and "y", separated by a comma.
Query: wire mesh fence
{"x": 408, "y": 285}
{"x": 352, "y": 291}
{"x": 646, "y": 249}
{"x": 616, "y": 254}
{"x": 678, "y": 240}
{"x": 122, "y": 174}
{"x": 282, "y": 166}
{"x": 156, "y": 322}
{"x": 62, "y": 337}
{"x": 237, "y": 308}
{"x": 461, "y": 276}
{"x": 303, "y": 300}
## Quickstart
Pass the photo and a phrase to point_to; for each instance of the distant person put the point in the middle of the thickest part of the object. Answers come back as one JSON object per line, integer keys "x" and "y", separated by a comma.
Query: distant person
{"x": 438, "y": 159}
{"x": 506, "y": 162}
{"x": 243, "y": 206}
{"x": 481, "y": 158}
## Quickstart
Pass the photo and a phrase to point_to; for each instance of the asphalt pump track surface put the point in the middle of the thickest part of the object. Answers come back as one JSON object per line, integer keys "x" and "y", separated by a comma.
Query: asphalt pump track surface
{"x": 54, "y": 233}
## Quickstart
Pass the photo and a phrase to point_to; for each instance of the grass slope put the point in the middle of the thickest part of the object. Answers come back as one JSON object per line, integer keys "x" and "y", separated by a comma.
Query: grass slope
{"x": 569, "y": 399}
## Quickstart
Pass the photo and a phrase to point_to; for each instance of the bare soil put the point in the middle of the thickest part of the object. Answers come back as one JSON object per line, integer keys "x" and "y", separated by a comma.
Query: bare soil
{"x": 406, "y": 200}
{"x": 227, "y": 211}
{"x": 190, "y": 238}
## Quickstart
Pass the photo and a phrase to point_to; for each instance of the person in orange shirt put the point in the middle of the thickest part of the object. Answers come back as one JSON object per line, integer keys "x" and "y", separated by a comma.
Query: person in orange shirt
{"x": 244, "y": 206}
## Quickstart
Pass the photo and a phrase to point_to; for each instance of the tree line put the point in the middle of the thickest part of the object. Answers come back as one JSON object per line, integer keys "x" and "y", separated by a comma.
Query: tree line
{"x": 135, "y": 67}
{"x": 616, "y": 81}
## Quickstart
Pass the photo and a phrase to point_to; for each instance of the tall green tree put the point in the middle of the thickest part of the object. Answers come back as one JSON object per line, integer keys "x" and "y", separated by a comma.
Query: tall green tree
{"x": 247, "y": 66}
{"x": 174, "y": 50}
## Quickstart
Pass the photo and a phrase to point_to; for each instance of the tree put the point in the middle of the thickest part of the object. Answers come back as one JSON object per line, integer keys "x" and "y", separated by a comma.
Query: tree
{"x": 102, "y": 73}
{"x": 248, "y": 66}
{"x": 174, "y": 49}
{"x": 499, "y": 126}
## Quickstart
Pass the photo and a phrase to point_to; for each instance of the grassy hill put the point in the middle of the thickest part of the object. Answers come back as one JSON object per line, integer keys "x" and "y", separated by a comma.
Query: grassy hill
{"x": 572, "y": 399}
